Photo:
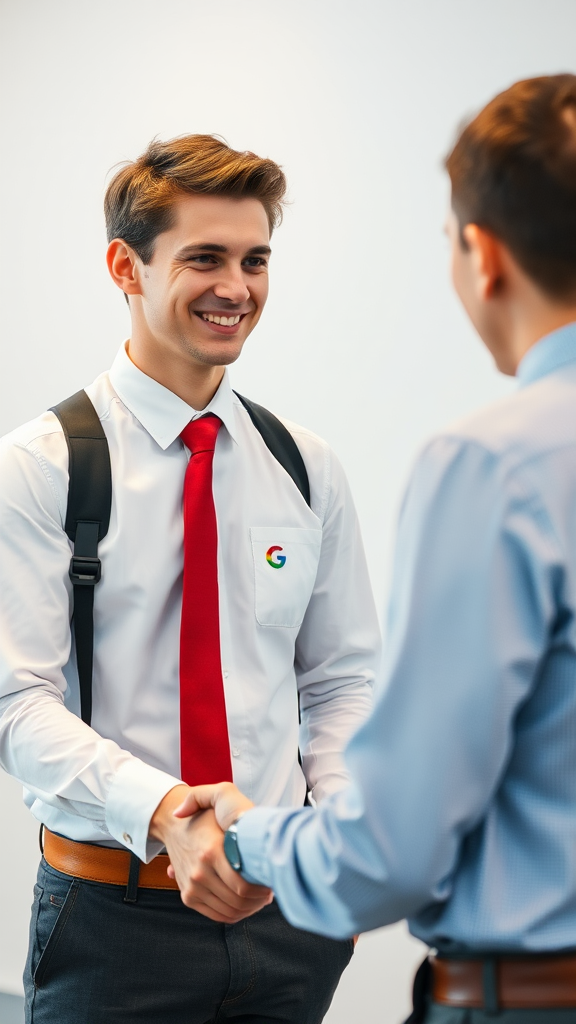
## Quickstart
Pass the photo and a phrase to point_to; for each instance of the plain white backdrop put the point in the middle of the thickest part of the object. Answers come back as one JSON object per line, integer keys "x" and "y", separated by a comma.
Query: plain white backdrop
{"x": 362, "y": 340}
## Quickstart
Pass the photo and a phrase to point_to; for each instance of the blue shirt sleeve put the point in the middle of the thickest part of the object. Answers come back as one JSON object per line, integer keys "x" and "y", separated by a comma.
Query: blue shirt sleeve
{"x": 472, "y": 604}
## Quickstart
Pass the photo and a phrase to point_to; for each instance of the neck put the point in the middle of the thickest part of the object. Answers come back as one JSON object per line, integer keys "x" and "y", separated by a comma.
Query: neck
{"x": 194, "y": 382}
{"x": 524, "y": 317}
{"x": 537, "y": 327}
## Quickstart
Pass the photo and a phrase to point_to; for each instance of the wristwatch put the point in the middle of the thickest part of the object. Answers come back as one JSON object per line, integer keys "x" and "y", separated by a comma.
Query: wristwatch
{"x": 231, "y": 848}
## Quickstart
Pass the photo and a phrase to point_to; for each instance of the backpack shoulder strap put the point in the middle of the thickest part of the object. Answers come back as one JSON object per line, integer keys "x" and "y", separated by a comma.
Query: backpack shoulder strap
{"x": 280, "y": 442}
{"x": 90, "y": 487}
{"x": 87, "y": 522}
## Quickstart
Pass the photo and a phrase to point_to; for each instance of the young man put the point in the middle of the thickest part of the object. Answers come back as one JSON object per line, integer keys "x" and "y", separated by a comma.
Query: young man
{"x": 213, "y": 624}
{"x": 461, "y": 813}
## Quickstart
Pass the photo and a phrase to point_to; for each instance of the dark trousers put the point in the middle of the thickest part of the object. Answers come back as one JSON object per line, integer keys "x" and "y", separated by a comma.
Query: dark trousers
{"x": 94, "y": 959}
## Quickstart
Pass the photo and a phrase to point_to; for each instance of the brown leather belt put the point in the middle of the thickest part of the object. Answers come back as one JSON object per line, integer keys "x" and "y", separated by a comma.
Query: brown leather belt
{"x": 101, "y": 864}
{"x": 546, "y": 981}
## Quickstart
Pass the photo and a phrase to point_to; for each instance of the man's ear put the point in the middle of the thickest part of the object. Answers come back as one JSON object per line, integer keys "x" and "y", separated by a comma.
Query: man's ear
{"x": 123, "y": 266}
{"x": 487, "y": 257}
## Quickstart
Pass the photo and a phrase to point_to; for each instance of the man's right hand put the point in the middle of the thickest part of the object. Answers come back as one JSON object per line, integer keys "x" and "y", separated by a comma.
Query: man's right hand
{"x": 206, "y": 881}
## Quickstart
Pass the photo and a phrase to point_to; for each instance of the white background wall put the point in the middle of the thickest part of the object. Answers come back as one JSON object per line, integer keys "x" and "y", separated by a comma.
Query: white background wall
{"x": 362, "y": 340}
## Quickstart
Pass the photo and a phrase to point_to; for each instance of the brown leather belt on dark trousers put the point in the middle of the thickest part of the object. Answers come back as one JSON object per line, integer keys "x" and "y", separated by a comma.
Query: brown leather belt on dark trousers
{"x": 101, "y": 864}
{"x": 546, "y": 982}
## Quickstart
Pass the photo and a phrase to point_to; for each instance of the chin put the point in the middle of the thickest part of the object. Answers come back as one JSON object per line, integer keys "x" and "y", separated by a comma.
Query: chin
{"x": 217, "y": 355}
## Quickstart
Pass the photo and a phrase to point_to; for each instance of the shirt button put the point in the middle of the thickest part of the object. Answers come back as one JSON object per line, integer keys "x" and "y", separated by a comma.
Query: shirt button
{"x": 225, "y": 673}
{"x": 235, "y": 752}
{"x": 127, "y": 838}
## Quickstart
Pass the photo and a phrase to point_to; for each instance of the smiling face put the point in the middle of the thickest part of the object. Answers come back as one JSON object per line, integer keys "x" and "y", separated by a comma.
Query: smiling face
{"x": 205, "y": 287}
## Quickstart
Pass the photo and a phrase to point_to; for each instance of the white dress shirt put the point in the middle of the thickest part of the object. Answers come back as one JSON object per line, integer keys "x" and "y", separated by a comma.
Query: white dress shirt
{"x": 309, "y": 627}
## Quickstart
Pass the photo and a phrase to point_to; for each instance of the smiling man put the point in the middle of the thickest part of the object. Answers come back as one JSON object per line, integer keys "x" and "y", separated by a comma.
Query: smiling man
{"x": 233, "y": 594}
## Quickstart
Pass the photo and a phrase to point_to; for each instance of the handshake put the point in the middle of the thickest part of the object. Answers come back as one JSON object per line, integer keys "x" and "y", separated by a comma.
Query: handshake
{"x": 191, "y": 823}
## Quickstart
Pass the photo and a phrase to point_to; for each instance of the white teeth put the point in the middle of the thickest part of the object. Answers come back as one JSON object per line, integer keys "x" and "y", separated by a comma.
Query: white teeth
{"x": 224, "y": 321}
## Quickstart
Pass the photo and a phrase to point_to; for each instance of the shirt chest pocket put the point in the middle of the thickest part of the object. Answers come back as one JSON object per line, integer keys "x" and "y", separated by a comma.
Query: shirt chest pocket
{"x": 285, "y": 567}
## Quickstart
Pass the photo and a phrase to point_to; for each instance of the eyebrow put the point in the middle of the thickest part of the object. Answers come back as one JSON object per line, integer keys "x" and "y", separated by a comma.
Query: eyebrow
{"x": 191, "y": 250}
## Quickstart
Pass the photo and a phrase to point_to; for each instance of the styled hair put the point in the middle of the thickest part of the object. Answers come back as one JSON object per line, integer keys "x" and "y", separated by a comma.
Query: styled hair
{"x": 513, "y": 172}
{"x": 139, "y": 201}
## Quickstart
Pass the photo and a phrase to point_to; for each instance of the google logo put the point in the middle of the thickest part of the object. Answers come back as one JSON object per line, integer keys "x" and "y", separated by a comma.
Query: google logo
{"x": 280, "y": 559}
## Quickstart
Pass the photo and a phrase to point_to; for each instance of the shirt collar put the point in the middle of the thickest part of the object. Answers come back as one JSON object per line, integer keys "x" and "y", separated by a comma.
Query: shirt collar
{"x": 550, "y": 353}
{"x": 162, "y": 413}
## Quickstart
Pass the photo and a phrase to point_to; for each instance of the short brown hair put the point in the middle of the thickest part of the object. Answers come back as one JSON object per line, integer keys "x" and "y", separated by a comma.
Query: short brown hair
{"x": 513, "y": 172}
{"x": 139, "y": 200}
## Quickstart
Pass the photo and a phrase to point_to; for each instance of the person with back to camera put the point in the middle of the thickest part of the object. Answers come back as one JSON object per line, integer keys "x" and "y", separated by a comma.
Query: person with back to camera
{"x": 461, "y": 810}
{"x": 234, "y": 594}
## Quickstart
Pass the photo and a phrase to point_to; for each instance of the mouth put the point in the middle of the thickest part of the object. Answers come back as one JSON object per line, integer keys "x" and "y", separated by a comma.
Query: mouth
{"x": 219, "y": 323}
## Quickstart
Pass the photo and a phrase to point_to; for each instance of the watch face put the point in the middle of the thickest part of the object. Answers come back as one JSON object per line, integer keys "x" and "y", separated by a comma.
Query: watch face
{"x": 231, "y": 850}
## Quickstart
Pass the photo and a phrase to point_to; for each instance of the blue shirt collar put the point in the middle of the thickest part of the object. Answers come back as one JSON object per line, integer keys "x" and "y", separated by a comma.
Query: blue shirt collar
{"x": 549, "y": 354}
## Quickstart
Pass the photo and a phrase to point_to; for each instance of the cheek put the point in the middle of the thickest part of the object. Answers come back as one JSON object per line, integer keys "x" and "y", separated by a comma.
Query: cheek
{"x": 260, "y": 292}
{"x": 193, "y": 286}
{"x": 454, "y": 267}
{"x": 459, "y": 279}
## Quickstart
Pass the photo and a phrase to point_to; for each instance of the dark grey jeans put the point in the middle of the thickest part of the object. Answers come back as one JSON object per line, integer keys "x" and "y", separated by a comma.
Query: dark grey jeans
{"x": 94, "y": 959}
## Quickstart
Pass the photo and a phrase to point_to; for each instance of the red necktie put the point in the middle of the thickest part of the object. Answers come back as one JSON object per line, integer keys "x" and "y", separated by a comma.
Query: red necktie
{"x": 204, "y": 744}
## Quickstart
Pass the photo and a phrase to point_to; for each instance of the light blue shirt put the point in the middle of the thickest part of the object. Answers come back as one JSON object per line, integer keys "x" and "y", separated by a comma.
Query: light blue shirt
{"x": 461, "y": 813}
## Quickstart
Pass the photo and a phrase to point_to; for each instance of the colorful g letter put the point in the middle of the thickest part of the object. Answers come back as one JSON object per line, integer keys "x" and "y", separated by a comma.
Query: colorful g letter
{"x": 280, "y": 559}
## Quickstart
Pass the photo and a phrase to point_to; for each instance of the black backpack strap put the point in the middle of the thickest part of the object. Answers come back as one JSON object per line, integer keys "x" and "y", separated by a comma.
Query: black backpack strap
{"x": 87, "y": 522}
{"x": 280, "y": 442}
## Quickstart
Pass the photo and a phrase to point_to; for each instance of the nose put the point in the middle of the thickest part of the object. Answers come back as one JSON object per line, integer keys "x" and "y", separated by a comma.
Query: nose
{"x": 231, "y": 284}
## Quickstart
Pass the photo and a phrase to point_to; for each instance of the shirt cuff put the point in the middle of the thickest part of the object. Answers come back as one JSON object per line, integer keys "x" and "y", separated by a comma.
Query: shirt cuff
{"x": 133, "y": 797}
{"x": 253, "y": 832}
